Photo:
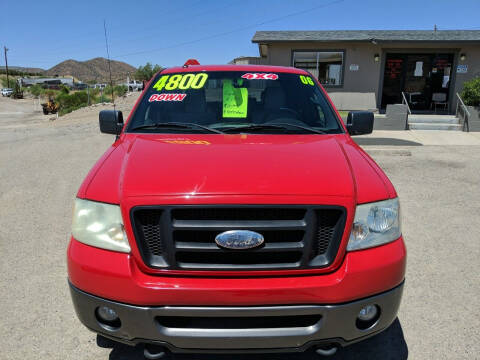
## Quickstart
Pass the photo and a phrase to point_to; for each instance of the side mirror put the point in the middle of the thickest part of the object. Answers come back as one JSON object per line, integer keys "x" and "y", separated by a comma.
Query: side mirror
{"x": 111, "y": 122}
{"x": 360, "y": 122}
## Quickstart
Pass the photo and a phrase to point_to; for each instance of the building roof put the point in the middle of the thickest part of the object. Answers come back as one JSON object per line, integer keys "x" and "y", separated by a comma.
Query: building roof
{"x": 254, "y": 60}
{"x": 369, "y": 35}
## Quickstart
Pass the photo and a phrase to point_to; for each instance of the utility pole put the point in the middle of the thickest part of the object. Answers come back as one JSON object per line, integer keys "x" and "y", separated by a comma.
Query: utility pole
{"x": 6, "y": 64}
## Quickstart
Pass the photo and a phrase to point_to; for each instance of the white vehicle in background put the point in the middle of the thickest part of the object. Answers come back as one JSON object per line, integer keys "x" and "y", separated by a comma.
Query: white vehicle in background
{"x": 135, "y": 85}
{"x": 99, "y": 86}
{"x": 7, "y": 92}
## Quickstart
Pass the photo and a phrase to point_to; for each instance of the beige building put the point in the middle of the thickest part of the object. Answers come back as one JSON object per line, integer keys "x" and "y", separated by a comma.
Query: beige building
{"x": 364, "y": 70}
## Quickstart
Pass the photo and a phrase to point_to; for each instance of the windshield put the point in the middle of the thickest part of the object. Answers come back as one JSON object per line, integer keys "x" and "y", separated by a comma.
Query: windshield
{"x": 234, "y": 102}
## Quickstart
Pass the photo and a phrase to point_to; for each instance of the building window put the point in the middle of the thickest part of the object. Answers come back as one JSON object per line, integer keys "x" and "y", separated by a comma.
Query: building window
{"x": 326, "y": 66}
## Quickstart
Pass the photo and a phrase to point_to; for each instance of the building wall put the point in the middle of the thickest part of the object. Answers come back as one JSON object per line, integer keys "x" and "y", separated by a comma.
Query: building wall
{"x": 361, "y": 90}
{"x": 472, "y": 60}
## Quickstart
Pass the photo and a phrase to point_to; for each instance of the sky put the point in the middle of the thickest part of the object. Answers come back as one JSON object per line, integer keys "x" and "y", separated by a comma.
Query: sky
{"x": 44, "y": 33}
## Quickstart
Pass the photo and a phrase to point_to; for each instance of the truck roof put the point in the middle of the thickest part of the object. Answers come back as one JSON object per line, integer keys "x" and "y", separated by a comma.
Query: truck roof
{"x": 254, "y": 68}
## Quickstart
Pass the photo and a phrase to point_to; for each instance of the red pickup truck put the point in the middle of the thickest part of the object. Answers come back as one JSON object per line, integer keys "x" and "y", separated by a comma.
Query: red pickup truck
{"x": 234, "y": 213}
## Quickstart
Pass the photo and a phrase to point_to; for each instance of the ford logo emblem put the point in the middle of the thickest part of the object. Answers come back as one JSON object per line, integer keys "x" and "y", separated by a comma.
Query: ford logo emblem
{"x": 239, "y": 239}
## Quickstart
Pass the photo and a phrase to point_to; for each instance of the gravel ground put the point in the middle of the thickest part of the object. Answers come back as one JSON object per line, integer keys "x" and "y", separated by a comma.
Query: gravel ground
{"x": 43, "y": 162}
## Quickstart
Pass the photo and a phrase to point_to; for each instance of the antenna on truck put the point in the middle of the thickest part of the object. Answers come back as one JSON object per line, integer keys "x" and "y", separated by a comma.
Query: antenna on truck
{"x": 108, "y": 57}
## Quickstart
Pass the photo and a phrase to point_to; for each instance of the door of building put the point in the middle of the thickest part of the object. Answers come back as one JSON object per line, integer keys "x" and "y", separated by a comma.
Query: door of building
{"x": 424, "y": 78}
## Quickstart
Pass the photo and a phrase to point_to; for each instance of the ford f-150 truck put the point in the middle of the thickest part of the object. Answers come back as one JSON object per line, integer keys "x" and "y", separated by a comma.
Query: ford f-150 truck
{"x": 234, "y": 213}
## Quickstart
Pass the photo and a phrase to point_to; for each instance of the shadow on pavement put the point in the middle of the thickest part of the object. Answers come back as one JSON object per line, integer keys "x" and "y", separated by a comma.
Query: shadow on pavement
{"x": 384, "y": 141}
{"x": 390, "y": 344}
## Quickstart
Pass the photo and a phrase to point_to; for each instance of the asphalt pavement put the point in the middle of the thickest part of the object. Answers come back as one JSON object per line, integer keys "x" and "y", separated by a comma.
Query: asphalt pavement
{"x": 43, "y": 162}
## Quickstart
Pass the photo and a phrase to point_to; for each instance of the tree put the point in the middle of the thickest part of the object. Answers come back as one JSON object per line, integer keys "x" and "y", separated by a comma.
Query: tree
{"x": 147, "y": 71}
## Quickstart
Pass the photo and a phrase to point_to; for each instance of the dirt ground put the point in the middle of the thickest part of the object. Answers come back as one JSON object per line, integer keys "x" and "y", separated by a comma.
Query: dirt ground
{"x": 43, "y": 161}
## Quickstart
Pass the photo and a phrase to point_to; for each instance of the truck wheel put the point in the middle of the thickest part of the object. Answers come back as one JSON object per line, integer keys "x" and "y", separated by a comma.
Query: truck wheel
{"x": 45, "y": 112}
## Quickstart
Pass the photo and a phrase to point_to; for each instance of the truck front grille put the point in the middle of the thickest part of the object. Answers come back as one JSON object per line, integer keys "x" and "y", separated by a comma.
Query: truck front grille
{"x": 183, "y": 237}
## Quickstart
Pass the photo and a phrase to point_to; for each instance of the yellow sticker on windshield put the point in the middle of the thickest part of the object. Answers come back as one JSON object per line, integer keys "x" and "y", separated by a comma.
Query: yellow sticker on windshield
{"x": 235, "y": 101}
{"x": 307, "y": 80}
{"x": 181, "y": 81}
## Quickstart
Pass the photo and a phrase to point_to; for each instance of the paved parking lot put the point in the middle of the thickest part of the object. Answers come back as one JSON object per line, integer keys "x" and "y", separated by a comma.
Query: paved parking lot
{"x": 43, "y": 162}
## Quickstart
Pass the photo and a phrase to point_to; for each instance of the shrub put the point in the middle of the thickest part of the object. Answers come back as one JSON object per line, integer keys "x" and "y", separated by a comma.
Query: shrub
{"x": 36, "y": 90}
{"x": 120, "y": 90}
{"x": 50, "y": 93}
{"x": 102, "y": 97}
{"x": 471, "y": 92}
{"x": 64, "y": 89}
{"x": 11, "y": 81}
{"x": 70, "y": 102}
{"x": 94, "y": 92}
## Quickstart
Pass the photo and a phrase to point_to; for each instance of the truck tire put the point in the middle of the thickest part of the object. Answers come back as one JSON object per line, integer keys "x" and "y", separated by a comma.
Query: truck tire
{"x": 45, "y": 111}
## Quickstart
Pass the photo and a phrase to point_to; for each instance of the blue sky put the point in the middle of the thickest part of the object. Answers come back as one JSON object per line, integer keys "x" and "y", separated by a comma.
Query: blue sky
{"x": 212, "y": 31}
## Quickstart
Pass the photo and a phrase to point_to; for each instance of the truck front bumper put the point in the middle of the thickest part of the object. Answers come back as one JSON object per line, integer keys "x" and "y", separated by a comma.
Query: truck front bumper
{"x": 238, "y": 328}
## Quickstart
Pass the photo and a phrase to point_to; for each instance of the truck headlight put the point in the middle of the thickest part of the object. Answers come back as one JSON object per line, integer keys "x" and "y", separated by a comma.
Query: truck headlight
{"x": 100, "y": 225}
{"x": 375, "y": 224}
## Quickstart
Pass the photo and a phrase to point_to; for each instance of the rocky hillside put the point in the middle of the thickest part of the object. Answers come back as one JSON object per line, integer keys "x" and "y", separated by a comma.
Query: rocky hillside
{"x": 94, "y": 69}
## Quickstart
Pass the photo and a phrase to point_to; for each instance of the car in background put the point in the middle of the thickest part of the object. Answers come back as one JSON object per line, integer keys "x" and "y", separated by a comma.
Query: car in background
{"x": 7, "y": 92}
{"x": 79, "y": 86}
{"x": 135, "y": 85}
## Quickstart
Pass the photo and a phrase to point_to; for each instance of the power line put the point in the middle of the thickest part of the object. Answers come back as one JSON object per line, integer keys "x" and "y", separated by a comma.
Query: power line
{"x": 232, "y": 31}
{"x": 163, "y": 24}
{"x": 213, "y": 36}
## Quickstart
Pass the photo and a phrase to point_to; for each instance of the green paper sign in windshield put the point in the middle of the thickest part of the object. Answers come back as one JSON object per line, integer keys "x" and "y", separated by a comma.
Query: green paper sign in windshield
{"x": 235, "y": 101}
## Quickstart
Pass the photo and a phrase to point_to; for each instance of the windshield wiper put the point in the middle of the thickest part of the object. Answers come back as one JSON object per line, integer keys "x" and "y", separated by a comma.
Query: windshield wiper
{"x": 306, "y": 128}
{"x": 275, "y": 126}
{"x": 177, "y": 125}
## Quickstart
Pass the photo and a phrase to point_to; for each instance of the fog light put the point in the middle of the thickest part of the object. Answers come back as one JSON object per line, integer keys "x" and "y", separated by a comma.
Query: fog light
{"x": 108, "y": 318}
{"x": 107, "y": 314}
{"x": 367, "y": 317}
{"x": 368, "y": 313}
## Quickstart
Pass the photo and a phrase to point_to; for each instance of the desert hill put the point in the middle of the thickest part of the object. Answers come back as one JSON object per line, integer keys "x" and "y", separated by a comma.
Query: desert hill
{"x": 94, "y": 69}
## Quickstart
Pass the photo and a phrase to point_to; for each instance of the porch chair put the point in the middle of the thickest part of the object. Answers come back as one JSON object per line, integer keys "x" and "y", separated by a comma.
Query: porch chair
{"x": 439, "y": 99}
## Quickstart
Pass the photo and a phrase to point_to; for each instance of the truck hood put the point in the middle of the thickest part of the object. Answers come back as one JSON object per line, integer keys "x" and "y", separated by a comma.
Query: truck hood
{"x": 159, "y": 164}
